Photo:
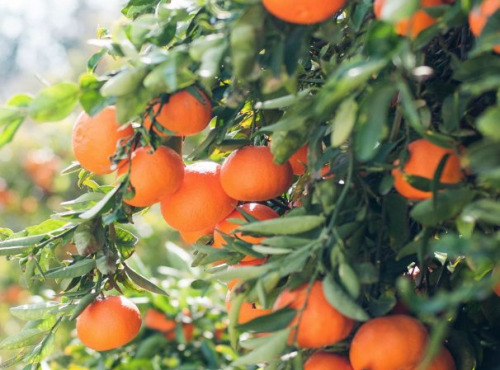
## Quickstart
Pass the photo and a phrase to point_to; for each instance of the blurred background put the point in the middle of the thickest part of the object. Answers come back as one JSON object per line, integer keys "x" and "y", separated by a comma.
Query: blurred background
{"x": 43, "y": 42}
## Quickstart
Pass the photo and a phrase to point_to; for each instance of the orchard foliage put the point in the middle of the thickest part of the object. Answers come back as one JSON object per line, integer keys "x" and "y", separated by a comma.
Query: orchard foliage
{"x": 354, "y": 89}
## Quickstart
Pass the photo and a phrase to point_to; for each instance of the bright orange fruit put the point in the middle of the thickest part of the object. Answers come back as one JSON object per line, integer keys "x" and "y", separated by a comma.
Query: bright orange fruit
{"x": 200, "y": 202}
{"x": 95, "y": 140}
{"x": 320, "y": 324}
{"x": 250, "y": 174}
{"x": 153, "y": 174}
{"x": 184, "y": 114}
{"x": 303, "y": 12}
{"x": 417, "y": 23}
{"x": 478, "y": 17}
{"x": 108, "y": 323}
{"x": 327, "y": 361}
{"x": 423, "y": 161}
{"x": 389, "y": 342}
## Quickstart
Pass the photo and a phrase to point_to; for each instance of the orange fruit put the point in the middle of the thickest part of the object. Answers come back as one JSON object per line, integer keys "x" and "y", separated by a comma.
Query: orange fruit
{"x": 153, "y": 174}
{"x": 298, "y": 161}
{"x": 108, "y": 323}
{"x": 327, "y": 361}
{"x": 154, "y": 319}
{"x": 478, "y": 17}
{"x": 187, "y": 330}
{"x": 320, "y": 324}
{"x": 443, "y": 361}
{"x": 248, "y": 311}
{"x": 415, "y": 24}
{"x": 390, "y": 342}
{"x": 250, "y": 174}
{"x": 191, "y": 237}
{"x": 95, "y": 140}
{"x": 423, "y": 161}
{"x": 225, "y": 227}
{"x": 303, "y": 12}
{"x": 184, "y": 114}
{"x": 200, "y": 202}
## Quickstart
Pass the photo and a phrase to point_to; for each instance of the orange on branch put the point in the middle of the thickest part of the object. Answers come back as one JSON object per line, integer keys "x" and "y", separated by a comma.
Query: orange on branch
{"x": 153, "y": 174}
{"x": 248, "y": 310}
{"x": 303, "y": 12}
{"x": 184, "y": 114}
{"x": 156, "y": 320}
{"x": 443, "y": 361}
{"x": 225, "y": 227}
{"x": 415, "y": 24}
{"x": 191, "y": 237}
{"x": 200, "y": 202}
{"x": 327, "y": 361}
{"x": 108, "y": 323}
{"x": 478, "y": 17}
{"x": 424, "y": 160}
{"x": 250, "y": 174}
{"x": 320, "y": 324}
{"x": 95, "y": 140}
{"x": 390, "y": 342}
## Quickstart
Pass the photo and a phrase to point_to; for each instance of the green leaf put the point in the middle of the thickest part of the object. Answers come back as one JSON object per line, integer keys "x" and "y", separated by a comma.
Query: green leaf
{"x": 396, "y": 10}
{"x": 489, "y": 123}
{"x": 268, "y": 351}
{"x": 372, "y": 126}
{"x": 143, "y": 282}
{"x": 242, "y": 273}
{"x": 36, "y": 311}
{"x": 275, "y": 321}
{"x": 349, "y": 280}
{"x": 341, "y": 301}
{"x": 484, "y": 210}
{"x": 344, "y": 121}
{"x": 283, "y": 226}
{"x": 13, "y": 246}
{"x": 83, "y": 202}
{"x": 123, "y": 83}
{"x": 125, "y": 241}
{"x": 442, "y": 207}
{"x": 102, "y": 206}
{"x": 54, "y": 102}
{"x": 84, "y": 302}
{"x": 79, "y": 268}
{"x": 22, "y": 339}
{"x": 283, "y": 101}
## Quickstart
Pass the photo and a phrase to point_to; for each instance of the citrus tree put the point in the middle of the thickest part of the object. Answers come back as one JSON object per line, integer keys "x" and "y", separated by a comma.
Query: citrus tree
{"x": 335, "y": 162}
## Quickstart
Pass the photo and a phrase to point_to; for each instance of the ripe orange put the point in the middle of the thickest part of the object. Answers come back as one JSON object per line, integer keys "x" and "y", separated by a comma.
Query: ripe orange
{"x": 191, "y": 237}
{"x": 298, "y": 161}
{"x": 327, "y": 361}
{"x": 390, "y": 342}
{"x": 250, "y": 174}
{"x": 320, "y": 324}
{"x": 153, "y": 175}
{"x": 200, "y": 202}
{"x": 156, "y": 320}
{"x": 443, "y": 361}
{"x": 95, "y": 140}
{"x": 183, "y": 114}
{"x": 259, "y": 211}
{"x": 423, "y": 161}
{"x": 108, "y": 323}
{"x": 248, "y": 311}
{"x": 418, "y": 22}
{"x": 478, "y": 17}
{"x": 303, "y": 12}
{"x": 187, "y": 330}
